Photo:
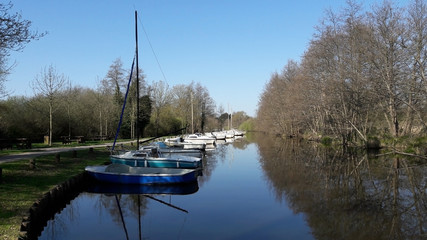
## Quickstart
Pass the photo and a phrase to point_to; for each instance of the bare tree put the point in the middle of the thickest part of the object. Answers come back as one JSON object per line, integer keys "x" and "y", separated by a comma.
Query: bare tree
{"x": 161, "y": 98}
{"x": 387, "y": 61}
{"x": 416, "y": 53}
{"x": 14, "y": 34}
{"x": 49, "y": 85}
{"x": 115, "y": 81}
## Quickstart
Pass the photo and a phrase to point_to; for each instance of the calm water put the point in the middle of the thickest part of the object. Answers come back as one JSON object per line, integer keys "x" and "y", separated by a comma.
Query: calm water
{"x": 263, "y": 189}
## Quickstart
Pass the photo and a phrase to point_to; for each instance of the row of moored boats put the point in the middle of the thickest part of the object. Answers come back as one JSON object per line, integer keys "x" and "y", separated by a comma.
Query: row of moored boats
{"x": 174, "y": 160}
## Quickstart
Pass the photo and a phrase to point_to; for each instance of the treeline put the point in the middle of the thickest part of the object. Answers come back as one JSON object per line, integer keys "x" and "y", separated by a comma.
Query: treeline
{"x": 65, "y": 110}
{"x": 362, "y": 76}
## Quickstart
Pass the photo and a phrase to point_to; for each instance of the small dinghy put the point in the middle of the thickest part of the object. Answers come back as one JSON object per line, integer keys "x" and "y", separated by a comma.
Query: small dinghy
{"x": 124, "y": 174}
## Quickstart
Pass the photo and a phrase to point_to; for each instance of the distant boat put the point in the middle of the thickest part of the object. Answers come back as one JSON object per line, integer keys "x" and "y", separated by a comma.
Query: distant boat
{"x": 238, "y": 133}
{"x": 166, "y": 151}
{"x": 229, "y": 134}
{"x": 198, "y": 138}
{"x": 219, "y": 135}
{"x": 124, "y": 174}
{"x": 145, "y": 158}
{"x": 179, "y": 142}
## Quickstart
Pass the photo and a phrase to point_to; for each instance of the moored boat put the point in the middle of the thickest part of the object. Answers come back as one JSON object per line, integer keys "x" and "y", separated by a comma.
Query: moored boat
{"x": 144, "y": 159}
{"x": 179, "y": 142}
{"x": 198, "y": 138}
{"x": 219, "y": 135}
{"x": 124, "y": 174}
{"x": 229, "y": 134}
{"x": 166, "y": 151}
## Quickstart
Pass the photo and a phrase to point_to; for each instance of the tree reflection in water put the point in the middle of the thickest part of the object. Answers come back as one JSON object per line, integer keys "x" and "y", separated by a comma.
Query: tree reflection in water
{"x": 348, "y": 194}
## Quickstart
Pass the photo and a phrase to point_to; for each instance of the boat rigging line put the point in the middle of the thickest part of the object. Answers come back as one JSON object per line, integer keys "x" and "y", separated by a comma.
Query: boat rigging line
{"x": 124, "y": 104}
{"x": 152, "y": 49}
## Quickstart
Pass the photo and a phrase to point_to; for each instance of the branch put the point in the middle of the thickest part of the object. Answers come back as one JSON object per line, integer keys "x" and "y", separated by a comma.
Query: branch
{"x": 402, "y": 153}
{"x": 361, "y": 135}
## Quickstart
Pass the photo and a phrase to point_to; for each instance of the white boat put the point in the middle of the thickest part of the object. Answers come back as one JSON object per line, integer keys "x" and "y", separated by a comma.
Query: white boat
{"x": 229, "y": 134}
{"x": 166, "y": 151}
{"x": 238, "y": 133}
{"x": 219, "y": 135}
{"x": 178, "y": 142}
{"x": 190, "y": 145}
{"x": 172, "y": 142}
{"x": 198, "y": 138}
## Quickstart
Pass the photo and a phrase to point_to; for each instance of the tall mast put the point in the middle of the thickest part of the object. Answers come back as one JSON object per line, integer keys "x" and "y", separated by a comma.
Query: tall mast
{"x": 137, "y": 81}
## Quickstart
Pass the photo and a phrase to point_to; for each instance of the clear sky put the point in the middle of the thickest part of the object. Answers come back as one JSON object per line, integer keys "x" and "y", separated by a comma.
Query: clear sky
{"x": 229, "y": 46}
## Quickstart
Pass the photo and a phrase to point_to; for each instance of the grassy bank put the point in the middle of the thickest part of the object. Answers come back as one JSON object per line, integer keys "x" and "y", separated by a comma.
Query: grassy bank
{"x": 38, "y": 146}
{"x": 21, "y": 185}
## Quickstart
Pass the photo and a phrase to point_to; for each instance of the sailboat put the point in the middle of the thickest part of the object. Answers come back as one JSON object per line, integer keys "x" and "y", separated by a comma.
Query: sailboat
{"x": 125, "y": 174}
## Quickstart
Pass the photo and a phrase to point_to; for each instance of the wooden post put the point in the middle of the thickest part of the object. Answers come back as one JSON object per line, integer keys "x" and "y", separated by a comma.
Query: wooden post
{"x": 32, "y": 163}
{"x": 91, "y": 150}
{"x": 396, "y": 163}
{"x": 74, "y": 153}
{"x": 57, "y": 157}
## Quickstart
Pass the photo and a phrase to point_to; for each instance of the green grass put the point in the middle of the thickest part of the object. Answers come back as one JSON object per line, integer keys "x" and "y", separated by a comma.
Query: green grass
{"x": 21, "y": 186}
{"x": 37, "y": 146}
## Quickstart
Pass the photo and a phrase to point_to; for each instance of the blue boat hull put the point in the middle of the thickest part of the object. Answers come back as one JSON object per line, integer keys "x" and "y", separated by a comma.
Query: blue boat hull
{"x": 144, "y": 162}
{"x": 141, "y": 175}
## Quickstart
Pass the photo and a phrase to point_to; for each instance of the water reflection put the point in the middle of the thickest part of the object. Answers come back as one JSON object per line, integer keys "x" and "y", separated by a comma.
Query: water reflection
{"x": 114, "y": 188}
{"x": 346, "y": 195}
{"x": 262, "y": 188}
{"x": 122, "y": 209}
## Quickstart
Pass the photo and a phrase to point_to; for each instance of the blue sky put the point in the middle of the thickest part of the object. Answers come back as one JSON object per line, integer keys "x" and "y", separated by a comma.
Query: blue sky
{"x": 229, "y": 46}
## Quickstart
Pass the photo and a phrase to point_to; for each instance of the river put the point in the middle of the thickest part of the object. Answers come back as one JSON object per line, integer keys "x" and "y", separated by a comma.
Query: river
{"x": 258, "y": 187}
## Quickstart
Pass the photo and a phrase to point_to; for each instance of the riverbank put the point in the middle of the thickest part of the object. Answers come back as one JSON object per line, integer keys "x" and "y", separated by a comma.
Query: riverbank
{"x": 23, "y": 183}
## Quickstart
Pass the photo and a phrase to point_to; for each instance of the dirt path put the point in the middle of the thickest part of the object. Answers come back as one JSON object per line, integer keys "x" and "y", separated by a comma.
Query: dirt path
{"x": 47, "y": 151}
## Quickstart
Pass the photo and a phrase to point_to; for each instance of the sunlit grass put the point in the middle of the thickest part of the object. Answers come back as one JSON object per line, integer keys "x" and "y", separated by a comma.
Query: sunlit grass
{"x": 21, "y": 186}
{"x": 38, "y": 146}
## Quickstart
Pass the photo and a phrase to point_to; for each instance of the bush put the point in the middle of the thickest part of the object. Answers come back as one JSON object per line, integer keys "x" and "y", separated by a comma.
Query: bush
{"x": 327, "y": 141}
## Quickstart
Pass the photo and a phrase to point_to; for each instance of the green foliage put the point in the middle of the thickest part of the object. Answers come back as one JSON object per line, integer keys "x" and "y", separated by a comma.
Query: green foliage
{"x": 326, "y": 141}
{"x": 420, "y": 141}
{"x": 145, "y": 107}
{"x": 222, "y": 120}
{"x": 410, "y": 149}
{"x": 248, "y": 125}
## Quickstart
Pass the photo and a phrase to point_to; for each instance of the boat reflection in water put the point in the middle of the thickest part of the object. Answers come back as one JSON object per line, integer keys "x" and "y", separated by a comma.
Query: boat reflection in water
{"x": 116, "y": 188}
{"x": 124, "y": 208}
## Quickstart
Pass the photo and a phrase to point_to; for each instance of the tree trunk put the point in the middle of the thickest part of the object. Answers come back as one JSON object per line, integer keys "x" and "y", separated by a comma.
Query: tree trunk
{"x": 50, "y": 124}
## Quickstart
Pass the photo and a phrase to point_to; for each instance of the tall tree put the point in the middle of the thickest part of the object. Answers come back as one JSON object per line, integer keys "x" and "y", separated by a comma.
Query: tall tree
{"x": 416, "y": 53}
{"x": 49, "y": 84}
{"x": 115, "y": 80}
{"x": 161, "y": 99}
{"x": 388, "y": 61}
